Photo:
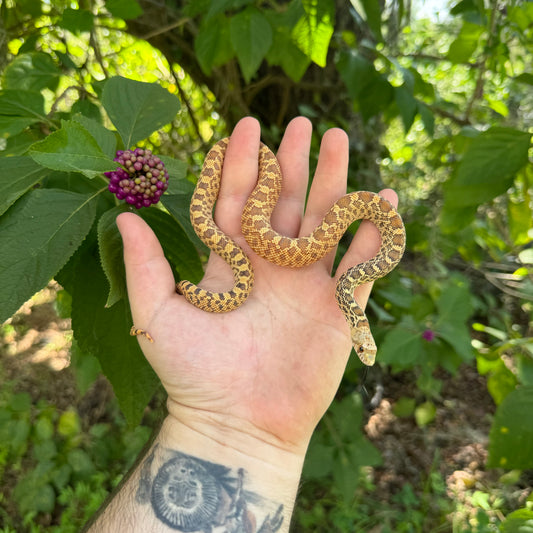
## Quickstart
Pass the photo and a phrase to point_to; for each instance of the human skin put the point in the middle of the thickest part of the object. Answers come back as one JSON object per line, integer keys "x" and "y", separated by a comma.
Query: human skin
{"x": 246, "y": 389}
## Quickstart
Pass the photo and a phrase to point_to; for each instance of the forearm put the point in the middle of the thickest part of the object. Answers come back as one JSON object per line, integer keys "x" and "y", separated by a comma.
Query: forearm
{"x": 190, "y": 480}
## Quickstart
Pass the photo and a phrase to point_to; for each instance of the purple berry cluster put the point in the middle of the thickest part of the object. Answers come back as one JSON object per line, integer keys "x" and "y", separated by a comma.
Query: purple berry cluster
{"x": 141, "y": 180}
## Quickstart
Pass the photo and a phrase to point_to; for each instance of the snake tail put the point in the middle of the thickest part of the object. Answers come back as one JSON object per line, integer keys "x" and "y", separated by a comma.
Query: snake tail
{"x": 201, "y": 214}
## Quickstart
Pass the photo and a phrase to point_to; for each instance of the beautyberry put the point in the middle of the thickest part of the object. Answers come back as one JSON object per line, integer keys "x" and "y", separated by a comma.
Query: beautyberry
{"x": 140, "y": 180}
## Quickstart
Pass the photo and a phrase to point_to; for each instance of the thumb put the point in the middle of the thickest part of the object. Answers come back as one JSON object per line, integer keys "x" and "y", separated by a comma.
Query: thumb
{"x": 148, "y": 274}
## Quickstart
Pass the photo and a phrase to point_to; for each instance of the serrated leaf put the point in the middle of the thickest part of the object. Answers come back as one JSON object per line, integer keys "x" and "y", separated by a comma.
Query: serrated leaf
{"x": 251, "y": 37}
{"x": 511, "y": 434}
{"x": 31, "y": 72}
{"x": 23, "y": 104}
{"x": 105, "y": 139}
{"x": 17, "y": 175}
{"x": 137, "y": 109}
{"x": 104, "y": 333}
{"x": 313, "y": 32}
{"x": 178, "y": 249}
{"x": 486, "y": 170}
{"x": 124, "y": 9}
{"x": 111, "y": 254}
{"x": 72, "y": 149}
{"x": 37, "y": 236}
{"x": 212, "y": 45}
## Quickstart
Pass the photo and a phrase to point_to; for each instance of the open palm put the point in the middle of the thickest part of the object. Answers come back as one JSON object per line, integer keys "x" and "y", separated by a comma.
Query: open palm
{"x": 270, "y": 368}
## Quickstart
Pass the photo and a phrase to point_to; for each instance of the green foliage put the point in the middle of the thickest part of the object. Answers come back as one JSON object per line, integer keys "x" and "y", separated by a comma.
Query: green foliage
{"x": 71, "y": 207}
{"x": 57, "y": 463}
{"x": 442, "y": 107}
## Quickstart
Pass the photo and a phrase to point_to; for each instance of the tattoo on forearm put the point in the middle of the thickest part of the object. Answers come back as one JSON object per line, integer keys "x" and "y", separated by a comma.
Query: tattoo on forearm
{"x": 191, "y": 495}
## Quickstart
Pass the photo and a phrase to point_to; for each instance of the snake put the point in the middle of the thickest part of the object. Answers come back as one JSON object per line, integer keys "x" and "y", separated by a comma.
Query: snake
{"x": 291, "y": 252}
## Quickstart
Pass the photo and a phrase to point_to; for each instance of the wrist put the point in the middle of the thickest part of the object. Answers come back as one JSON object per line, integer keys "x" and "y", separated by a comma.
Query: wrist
{"x": 267, "y": 460}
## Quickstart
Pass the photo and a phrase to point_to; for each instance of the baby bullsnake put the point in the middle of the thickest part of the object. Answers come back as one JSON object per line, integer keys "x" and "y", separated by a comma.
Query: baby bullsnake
{"x": 286, "y": 251}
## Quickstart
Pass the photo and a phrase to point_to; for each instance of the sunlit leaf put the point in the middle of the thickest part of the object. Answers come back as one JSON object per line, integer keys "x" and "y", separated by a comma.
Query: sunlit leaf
{"x": 137, "y": 109}
{"x": 511, "y": 434}
{"x": 314, "y": 30}
{"x": 72, "y": 149}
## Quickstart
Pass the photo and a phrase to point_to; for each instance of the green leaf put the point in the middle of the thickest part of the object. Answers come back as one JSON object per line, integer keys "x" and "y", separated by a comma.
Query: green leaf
{"x": 376, "y": 97}
{"x": 178, "y": 249}
{"x": 520, "y": 521}
{"x": 425, "y": 413}
{"x": 284, "y": 51}
{"x": 356, "y": 72}
{"x": 12, "y": 125}
{"x": 251, "y": 37}
{"x": 31, "y": 72}
{"x": 105, "y": 139}
{"x": 402, "y": 347}
{"x": 177, "y": 171}
{"x": 37, "y": 236}
{"x": 454, "y": 303}
{"x": 111, "y": 254}
{"x": 178, "y": 207}
{"x": 488, "y": 167}
{"x": 23, "y": 104}
{"x": 466, "y": 43}
{"x": 373, "y": 17}
{"x": 124, "y": 9}
{"x": 104, "y": 333}
{"x": 520, "y": 219}
{"x": 525, "y": 77}
{"x": 212, "y": 45}
{"x": 137, "y": 109}
{"x": 17, "y": 175}
{"x": 72, "y": 149}
{"x": 511, "y": 434}
{"x": 77, "y": 20}
{"x": 313, "y": 31}
{"x": 501, "y": 383}
{"x": 428, "y": 118}
{"x": 407, "y": 105}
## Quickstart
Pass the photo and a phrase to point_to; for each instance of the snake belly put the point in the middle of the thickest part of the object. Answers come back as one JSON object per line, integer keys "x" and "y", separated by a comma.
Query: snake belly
{"x": 302, "y": 251}
{"x": 201, "y": 214}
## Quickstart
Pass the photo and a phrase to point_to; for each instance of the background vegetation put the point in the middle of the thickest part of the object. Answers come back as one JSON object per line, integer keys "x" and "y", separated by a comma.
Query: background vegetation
{"x": 439, "y": 108}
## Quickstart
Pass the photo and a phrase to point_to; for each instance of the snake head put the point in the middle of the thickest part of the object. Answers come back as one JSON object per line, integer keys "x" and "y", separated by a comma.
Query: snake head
{"x": 364, "y": 346}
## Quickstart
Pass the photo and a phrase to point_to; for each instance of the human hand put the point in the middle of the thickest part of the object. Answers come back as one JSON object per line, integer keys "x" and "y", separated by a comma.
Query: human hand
{"x": 269, "y": 369}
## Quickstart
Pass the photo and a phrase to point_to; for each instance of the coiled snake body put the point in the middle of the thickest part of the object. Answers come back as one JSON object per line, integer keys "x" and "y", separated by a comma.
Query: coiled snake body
{"x": 285, "y": 251}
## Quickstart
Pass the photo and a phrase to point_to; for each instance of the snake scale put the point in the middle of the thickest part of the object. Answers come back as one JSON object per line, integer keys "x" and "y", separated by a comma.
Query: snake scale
{"x": 291, "y": 252}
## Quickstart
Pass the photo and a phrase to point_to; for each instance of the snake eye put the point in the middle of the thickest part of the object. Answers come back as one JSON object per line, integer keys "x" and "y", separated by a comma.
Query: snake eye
{"x": 360, "y": 349}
